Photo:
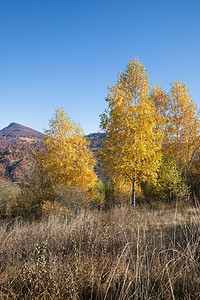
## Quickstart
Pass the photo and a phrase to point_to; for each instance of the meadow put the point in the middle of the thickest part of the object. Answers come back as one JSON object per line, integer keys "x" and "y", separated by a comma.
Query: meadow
{"x": 121, "y": 253}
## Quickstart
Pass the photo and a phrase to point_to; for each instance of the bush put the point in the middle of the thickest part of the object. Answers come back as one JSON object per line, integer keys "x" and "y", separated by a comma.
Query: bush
{"x": 110, "y": 193}
{"x": 8, "y": 197}
{"x": 169, "y": 186}
{"x": 34, "y": 200}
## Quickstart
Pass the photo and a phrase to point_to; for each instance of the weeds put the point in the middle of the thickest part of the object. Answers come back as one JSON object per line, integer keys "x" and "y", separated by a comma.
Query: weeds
{"x": 118, "y": 254}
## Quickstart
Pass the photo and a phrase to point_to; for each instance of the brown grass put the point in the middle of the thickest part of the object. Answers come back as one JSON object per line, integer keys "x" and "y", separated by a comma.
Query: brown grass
{"x": 119, "y": 254}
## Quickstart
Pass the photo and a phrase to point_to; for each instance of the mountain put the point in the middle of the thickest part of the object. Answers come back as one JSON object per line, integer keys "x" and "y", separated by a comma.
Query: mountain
{"x": 95, "y": 140}
{"x": 18, "y": 144}
{"x": 18, "y": 132}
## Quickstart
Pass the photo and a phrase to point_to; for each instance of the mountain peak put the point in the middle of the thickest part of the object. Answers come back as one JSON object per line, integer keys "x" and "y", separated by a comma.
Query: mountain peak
{"x": 14, "y": 124}
{"x": 15, "y": 131}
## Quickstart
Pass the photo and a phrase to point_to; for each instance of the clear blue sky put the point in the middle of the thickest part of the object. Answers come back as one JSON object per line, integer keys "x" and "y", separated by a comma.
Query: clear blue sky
{"x": 60, "y": 53}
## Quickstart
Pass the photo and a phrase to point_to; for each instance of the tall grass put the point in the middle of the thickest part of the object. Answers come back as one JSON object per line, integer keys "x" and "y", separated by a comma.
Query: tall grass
{"x": 118, "y": 254}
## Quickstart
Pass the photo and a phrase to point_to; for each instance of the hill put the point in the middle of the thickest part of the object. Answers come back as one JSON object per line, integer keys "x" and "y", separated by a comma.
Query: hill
{"x": 16, "y": 158}
{"x": 18, "y": 132}
{"x": 18, "y": 144}
{"x": 95, "y": 140}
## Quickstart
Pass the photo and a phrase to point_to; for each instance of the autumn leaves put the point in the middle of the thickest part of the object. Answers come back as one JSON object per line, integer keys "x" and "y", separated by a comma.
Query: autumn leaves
{"x": 132, "y": 148}
{"x": 66, "y": 160}
{"x": 144, "y": 127}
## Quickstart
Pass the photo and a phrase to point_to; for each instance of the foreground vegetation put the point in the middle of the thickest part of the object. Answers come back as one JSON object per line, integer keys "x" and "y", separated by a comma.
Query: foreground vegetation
{"x": 69, "y": 231}
{"x": 118, "y": 254}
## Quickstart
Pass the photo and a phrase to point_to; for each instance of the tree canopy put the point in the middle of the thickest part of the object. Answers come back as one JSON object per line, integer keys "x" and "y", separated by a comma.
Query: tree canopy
{"x": 132, "y": 148}
{"x": 64, "y": 163}
{"x": 181, "y": 133}
{"x": 67, "y": 157}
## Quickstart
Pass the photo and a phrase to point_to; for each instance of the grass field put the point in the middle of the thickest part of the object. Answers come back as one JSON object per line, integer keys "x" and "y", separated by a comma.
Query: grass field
{"x": 119, "y": 254}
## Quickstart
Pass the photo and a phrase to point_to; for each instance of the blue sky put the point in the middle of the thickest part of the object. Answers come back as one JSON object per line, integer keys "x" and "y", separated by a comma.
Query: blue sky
{"x": 60, "y": 53}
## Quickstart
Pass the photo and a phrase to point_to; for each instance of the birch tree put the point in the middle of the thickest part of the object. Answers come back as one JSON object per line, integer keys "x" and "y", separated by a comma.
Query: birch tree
{"x": 66, "y": 159}
{"x": 181, "y": 135}
{"x": 132, "y": 148}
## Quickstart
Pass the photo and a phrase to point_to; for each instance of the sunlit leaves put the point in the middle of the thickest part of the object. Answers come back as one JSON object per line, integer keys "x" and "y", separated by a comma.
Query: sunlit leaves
{"x": 181, "y": 133}
{"x": 133, "y": 140}
{"x": 66, "y": 159}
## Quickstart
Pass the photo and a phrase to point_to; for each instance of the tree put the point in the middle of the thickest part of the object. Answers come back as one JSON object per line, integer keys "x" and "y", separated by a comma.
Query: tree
{"x": 67, "y": 156}
{"x": 181, "y": 135}
{"x": 161, "y": 101}
{"x": 65, "y": 162}
{"x": 132, "y": 148}
{"x": 184, "y": 126}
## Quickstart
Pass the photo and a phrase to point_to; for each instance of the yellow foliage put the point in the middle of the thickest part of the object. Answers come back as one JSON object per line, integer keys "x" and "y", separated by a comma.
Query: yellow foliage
{"x": 66, "y": 159}
{"x": 132, "y": 147}
{"x": 181, "y": 138}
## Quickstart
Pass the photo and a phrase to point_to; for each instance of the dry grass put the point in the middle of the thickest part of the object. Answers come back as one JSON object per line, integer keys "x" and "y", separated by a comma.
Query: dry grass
{"x": 119, "y": 254}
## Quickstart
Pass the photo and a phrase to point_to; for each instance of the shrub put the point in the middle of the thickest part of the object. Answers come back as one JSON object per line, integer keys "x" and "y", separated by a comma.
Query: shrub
{"x": 170, "y": 184}
{"x": 8, "y": 197}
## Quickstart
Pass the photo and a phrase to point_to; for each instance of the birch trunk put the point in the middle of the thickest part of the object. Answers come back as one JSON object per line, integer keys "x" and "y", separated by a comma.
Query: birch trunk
{"x": 133, "y": 193}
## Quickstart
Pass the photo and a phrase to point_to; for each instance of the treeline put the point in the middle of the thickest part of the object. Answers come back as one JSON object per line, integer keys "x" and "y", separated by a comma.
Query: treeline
{"x": 150, "y": 153}
{"x": 152, "y": 136}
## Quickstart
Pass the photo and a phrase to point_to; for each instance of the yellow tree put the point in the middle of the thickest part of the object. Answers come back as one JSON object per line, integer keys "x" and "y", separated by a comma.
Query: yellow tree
{"x": 181, "y": 135}
{"x": 131, "y": 151}
{"x": 66, "y": 160}
{"x": 161, "y": 101}
{"x": 184, "y": 126}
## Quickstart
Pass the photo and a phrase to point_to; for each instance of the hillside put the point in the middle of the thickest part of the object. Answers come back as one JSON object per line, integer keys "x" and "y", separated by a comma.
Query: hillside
{"x": 95, "y": 140}
{"x": 15, "y": 159}
{"x": 18, "y": 144}
{"x": 18, "y": 132}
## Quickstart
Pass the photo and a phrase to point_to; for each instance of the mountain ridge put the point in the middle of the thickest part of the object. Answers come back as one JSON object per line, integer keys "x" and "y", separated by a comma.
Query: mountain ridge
{"x": 15, "y": 131}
